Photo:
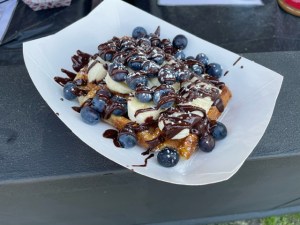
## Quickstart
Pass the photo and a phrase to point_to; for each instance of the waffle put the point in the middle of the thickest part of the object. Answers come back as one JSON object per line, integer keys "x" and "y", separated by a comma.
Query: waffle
{"x": 184, "y": 101}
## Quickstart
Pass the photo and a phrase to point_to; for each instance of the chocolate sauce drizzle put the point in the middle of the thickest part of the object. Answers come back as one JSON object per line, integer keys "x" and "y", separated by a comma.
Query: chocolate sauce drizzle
{"x": 182, "y": 117}
{"x": 237, "y": 61}
{"x": 70, "y": 74}
{"x": 62, "y": 81}
{"x": 112, "y": 134}
{"x": 145, "y": 161}
{"x": 80, "y": 60}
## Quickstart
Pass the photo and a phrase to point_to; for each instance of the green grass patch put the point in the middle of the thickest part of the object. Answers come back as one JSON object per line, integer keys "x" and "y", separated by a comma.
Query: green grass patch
{"x": 291, "y": 219}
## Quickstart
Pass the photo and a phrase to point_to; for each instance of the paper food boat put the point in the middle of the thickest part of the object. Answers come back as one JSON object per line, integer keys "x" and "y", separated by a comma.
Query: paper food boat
{"x": 254, "y": 88}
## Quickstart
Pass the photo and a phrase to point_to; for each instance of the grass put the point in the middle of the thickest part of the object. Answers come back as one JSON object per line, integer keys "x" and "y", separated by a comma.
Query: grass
{"x": 290, "y": 219}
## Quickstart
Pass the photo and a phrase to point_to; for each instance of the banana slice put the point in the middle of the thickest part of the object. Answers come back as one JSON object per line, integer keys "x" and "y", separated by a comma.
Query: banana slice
{"x": 187, "y": 83}
{"x": 183, "y": 133}
{"x": 204, "y": 103}
{"x": 133, "y": 105}
{"x": 119, "y": 87}
{"x": 153, "y": 82}
{"x": 96, "y": 71}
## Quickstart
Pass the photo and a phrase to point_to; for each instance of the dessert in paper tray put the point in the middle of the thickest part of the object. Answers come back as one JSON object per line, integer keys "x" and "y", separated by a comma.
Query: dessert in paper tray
{"x": 151, "y": 93}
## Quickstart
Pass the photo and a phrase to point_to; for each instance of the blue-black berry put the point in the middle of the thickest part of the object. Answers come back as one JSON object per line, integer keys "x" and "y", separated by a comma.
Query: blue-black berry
{"x": 139, "y": 32}
{"x": 215, "y": 70}
{"x": 168, "y": 157}
{"x": 219, "y": 131}
{"x": 68, "y": 91}
{"x": 207, "y": 143}
{"x": 180, "y": 41}
{"x": 89, "y": 115}
{"x": 127, "y": 140}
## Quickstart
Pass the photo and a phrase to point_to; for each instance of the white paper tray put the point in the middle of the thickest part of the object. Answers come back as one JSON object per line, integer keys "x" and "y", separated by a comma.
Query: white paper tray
{"x": 254, "y": 87}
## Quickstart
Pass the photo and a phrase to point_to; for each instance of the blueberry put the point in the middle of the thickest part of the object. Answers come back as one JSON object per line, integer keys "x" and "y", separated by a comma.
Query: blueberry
{"x": 190, "y": 57}
{"x": 119, "y": 76}
{"x": 207, "y": 143}
{"x": 108, "y": 57}
{"x": 214, "y": 69}
{"x": 134, "y": 65}
{"x": 150, "y": 68}
{"x": 104, "y": 92}
{"x": 121, "y": 104}
{"x": 119, "y": 99}
{"x": 197, "y": 69}
{"x": 68, "y": 91}
{"x": 159, "y": 59}
{"x": 180, "y": 41}
{"x": 144, "y": 97}
{"x": 98, "y": 103}
{"x": 167, "y": 76}
{"x": 179, "y": 55}
{"x": 183, "y": 75}
{"x": 135, "y": 79}
{"x": 201, "y": 57}
{"x": 89, "y": 115}
{"x": 135, "y": 62}
{"x": 143, "y": 94}
{"x": 144, "y": 43}
{"x": 127, "y": 140}
{"x": 157, "y": 55}
{"x": 119, "y": 112}
{"x": 117, "y": 71}
{"x": 168, "y": 157}
{"x": 158, "y": 94}
{"x": 139, "y": 32}
{"x": 219, "y": 131}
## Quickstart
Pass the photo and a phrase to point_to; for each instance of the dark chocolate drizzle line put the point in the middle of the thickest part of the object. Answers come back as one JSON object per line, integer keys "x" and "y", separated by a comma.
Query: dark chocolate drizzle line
{"x": 112, "y": 134}
{"x": 62, "y": 81}
{"x": 156, "y": 141}
{"x": 70, "y": 74}
{"x": 237, "y": 61}
{"x": 187, "y": 120}
{"x": 219, "y": 104}
{"x": 76, "y": 108}
{"x": 145, "y": 161}
{"x": 137, "y": 112}
{"x": 192, "y": 92}
{"x": 78, "y": 92}
{"x": 92, "y": 65}
{"x": 80, "y": 60}
{"x": 147, "y": 152}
